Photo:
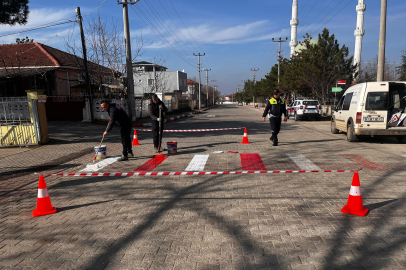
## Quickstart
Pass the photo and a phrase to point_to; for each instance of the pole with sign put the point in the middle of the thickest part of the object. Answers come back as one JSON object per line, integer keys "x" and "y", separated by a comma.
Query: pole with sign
{"x": 337, "y": 89}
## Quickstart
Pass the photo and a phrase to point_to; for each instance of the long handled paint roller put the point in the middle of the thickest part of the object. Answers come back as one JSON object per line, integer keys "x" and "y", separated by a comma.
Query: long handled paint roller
{"x": 101, "y": 142}
{"x": 160, "y": 133}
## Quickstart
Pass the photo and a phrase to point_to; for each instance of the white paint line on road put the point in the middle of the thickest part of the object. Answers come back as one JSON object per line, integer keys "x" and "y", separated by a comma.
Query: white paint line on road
{"x": 100, "y": 165}
{"x": 197, "y": 164}
{"x": 303, "y": 162}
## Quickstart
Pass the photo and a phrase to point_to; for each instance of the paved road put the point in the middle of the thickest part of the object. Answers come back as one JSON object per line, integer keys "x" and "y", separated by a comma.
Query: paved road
{"x": 240, "y": 221}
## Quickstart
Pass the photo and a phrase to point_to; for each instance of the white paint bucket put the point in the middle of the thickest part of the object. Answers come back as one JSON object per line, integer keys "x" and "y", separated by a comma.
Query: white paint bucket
{"x": 172, "y": 148}
{"x": 102, "y": 152}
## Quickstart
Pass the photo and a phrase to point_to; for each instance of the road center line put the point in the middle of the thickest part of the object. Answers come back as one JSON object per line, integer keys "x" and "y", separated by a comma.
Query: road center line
{"x": 303, "y": 162}
{"x": 197, "y": 163}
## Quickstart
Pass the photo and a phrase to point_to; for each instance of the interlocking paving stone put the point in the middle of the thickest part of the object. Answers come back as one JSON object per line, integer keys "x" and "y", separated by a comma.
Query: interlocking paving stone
{"x": 211, "y": 222}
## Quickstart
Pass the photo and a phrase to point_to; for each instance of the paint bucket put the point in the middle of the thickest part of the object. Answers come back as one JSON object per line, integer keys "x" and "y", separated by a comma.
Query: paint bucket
{"x": 172, "y": 148}
{"x": 102, "y": 152}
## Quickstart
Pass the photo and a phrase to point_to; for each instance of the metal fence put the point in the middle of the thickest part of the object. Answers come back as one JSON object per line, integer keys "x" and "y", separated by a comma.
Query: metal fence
{"x": 19, "y": 125}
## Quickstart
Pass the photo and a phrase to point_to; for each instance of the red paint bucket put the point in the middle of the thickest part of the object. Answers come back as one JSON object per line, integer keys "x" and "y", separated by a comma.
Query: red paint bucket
{"x": 172, "y": 148}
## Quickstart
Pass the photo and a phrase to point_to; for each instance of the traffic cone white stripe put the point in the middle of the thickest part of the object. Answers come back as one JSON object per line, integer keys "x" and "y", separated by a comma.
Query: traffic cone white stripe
{"x": 135, "y": 137}
{"x": 355, "y": 191}
{"x": 245, "y": 134}
{"x": 43, "y": 193}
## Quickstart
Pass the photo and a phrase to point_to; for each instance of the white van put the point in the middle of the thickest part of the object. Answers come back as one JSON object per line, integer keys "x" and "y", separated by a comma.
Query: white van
{"x": 372, "y": 109}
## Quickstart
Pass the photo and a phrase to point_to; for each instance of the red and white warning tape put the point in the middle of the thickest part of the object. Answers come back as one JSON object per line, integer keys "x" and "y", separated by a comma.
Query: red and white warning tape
{"x": 166, "y": 120}
{"x": 192, "y": 130}
{"x": 194, "y": 173}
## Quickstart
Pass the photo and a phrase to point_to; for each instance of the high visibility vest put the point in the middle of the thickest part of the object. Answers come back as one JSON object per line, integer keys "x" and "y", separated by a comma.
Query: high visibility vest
{"x": 273, "y": 101}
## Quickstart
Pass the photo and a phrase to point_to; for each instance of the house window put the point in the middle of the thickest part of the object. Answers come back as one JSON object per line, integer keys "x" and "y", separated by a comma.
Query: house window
{"x": 151, "y": 82}
{"x": 108, "y": 80}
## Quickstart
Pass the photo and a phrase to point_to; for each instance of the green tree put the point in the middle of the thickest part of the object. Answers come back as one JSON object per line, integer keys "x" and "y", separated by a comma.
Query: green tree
{"x": 402, "y": 68}
{"x": 13, "y": 11}
{"x": 24, "y": 40}
{"x": 316, "y": 69}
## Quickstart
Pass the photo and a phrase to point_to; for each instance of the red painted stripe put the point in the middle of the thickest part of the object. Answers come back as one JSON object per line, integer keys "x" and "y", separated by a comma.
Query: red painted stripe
{"x": 365, "y": 163}
{"x": 151, "y": 164}
{"x": 252, "y": 162}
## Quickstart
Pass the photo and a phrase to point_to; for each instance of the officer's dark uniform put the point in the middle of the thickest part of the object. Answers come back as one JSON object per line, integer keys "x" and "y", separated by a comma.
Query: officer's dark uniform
{"x": 119, "y": 117}
{"x": 276, "y": 108}
{"x": 154, "y": 114}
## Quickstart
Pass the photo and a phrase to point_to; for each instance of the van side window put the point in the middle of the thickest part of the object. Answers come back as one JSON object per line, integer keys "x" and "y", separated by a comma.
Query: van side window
{"x": 347, "y": 101}
{"x": 340, "y": 103}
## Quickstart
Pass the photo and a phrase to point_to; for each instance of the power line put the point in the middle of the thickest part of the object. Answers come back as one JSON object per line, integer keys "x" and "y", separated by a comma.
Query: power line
{"x": 37, "y": 28}
{"x": 151, "y": 26}
{"x": 188, "y": 31}
{"x": 94, "y": 9}
{"x": 334, "y": 15}
{"x": 163, "y": 23}
{"x": 325, "y": 16}
{"x": 176, "y": 25}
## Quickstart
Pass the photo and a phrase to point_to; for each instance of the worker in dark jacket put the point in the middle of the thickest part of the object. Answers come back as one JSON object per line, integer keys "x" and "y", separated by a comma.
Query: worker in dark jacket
{"x": 153, "y": 108}
{"x": 120, "y": 118}
{"x": 276, "y": 107}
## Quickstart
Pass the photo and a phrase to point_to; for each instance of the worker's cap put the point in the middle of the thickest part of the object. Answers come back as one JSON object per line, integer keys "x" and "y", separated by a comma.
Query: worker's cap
{"x": 276, "y": 91}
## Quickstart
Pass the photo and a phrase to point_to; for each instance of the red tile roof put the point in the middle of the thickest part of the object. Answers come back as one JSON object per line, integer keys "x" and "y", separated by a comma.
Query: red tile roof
{"x": 192, "y": 82}
{"x": 39, "y": 55}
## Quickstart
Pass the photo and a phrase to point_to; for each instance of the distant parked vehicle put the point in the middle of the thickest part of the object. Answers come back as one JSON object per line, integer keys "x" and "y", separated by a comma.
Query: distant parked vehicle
{"x": 303, "y": 108}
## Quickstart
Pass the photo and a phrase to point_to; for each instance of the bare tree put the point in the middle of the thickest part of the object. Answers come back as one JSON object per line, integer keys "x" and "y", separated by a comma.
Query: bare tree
{"x": 368, "y": 71}
{"x": 105, "y": 48}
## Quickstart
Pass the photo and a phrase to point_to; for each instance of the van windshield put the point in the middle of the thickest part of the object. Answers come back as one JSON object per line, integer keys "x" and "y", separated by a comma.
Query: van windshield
{"x": 377, "y": 101}
{"x": 311, "y": 103}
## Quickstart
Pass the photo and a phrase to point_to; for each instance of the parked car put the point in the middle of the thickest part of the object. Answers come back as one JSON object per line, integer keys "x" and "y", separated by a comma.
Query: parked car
{"x": 303, "y": 108}
{"x": 240, "y": 104}
{"x": 372, "y": 108}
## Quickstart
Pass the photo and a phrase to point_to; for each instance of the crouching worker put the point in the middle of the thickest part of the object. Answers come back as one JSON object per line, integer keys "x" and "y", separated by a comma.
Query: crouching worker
{"x": 154, "y": 107}
{"x": 120, "y": 118}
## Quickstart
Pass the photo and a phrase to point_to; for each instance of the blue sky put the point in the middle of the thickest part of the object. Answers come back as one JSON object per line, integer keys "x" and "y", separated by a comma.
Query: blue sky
{"x": 235, "y": 35}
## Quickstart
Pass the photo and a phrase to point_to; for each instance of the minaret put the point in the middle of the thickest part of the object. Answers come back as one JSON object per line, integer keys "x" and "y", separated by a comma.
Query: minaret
{"x": 293, "y": 23}
{"x": 359, "y": 32}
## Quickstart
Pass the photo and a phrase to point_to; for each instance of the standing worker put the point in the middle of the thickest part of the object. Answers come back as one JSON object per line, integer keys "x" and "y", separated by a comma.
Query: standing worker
{"x": 119, "y": 117}
{"x": 276, "y": 107}
{"x": 154, "y": 107}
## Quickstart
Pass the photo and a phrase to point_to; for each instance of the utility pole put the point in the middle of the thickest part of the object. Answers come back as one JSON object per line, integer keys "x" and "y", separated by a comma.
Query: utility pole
{"x": 128, "y": 58}
{"x": 199, "y": 76}
{"x": 214, "y": 91}
{"x": 88, "y": 84}
{"x": 382, "y": 40}
{"x": 279, "y": 54}
{"x": 253, "y": 98}
{"x": 207, "y": 86}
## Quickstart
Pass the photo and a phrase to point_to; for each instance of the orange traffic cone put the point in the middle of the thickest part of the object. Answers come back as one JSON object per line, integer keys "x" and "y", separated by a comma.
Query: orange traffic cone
{"x": 44, "y": 206}
{"x": 245, "y": 138}
{"x": 354, "y": 204}
{"x": 135, "y": 139}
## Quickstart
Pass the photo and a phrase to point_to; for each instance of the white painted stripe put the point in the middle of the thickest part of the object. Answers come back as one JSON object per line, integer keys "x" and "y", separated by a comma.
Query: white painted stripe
{"x": 303, "y": 162}
{"x": 197, "y": 164}
{"x": 42, "y": 193}
{"x": 100, "y": 165}
{"x": 355, "y": 191}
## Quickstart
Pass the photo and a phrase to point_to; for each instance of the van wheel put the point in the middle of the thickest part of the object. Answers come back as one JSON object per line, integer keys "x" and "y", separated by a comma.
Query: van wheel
{"x": 351, "y": 137}
{"x": 333, "y": 128}
{"x": 402, "y": 139}
{"x": 296, "y": 117}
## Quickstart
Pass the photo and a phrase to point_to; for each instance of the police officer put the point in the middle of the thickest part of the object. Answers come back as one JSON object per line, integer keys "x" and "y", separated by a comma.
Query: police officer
{"x": 276, "y": 107}
{"x": 153, "y": 108}
{"x": 119, "y": 117}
